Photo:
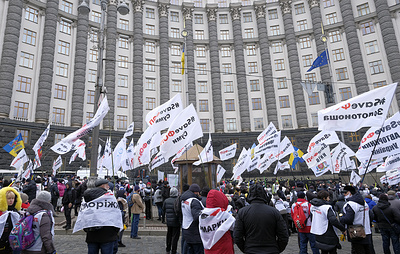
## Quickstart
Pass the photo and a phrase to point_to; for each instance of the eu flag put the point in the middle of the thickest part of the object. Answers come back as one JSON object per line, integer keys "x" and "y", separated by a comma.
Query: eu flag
{"x": 15, "y": 145}
{"x": 320, "y": 61}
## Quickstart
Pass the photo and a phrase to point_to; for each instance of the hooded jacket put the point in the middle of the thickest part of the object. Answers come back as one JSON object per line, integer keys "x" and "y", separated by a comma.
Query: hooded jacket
{"x": 169, "y": 211}
{"x": 30, "y": 190}
{"x": 259, "y": 228}
{"x": 391, "y": 213}
{"x": 3, "y": 200}
{"x": 394, "y": 202}
{"x": 370, "y": 203}
{"x": 8, "y": 217}
{"x": 192, "y": 234}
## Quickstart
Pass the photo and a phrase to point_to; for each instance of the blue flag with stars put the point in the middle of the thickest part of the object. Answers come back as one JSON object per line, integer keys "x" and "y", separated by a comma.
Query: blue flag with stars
{"x": 320, "y": 61}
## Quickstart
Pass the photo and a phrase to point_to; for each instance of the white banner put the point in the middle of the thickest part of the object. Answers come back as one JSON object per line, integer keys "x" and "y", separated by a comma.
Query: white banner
{"x": 183, "y": 130}
{"x": 281, "y": 166}
{"x": 107, "y": 159}
{"x": 27, "y": 172}
{"x": 366, "y": 110}
{"x": 327, "y": 137}
{"x": 119, "y": 154}
{"x": 57, "y": 164}
{"x": 99, "y": 158}
{"x": 129, "y": 131}
{"x": 173, "y": 180}
{"x": 242, "y": 163}
{"x": 207, "y": 154}
{"x": 157, "y": 161}
{"x": 162, "y": 116}
{"x": 374, "y": 164}
{"x": 73, "y": 156}
{"x": 354, "y": 178}
{"x": 36, "y": 162}
{"x": 317, "y": 155}
{"x": 130, "y": 154}
{"x": 265, "y": 162}
{"x": 383, "y": 179}
{"x": 228, "y": 152}
{"x": 253, "y": 163}
{"x": 390, "y": 163}
{"x": 179, "y": 154}
{"x": 271, "y": 129}
{"x": 160, "y": 176}
{"x": 39, "y": 143}
{"x": 341, "y": 157}
{"x": 20, "y": 160}
{"x": 285, "y": 148}
{"x": 100, "y": 212}
{"x": 393, "y": 176}
{"x": 270, "y": 144}
{"x": 220, "y": 173}
{"x": 322, "y": 168}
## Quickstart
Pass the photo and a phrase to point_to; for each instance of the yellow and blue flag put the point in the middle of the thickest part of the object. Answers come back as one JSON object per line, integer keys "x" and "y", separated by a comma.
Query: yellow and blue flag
{"x": 296, "y": 157}
{"x": 15, "y": 145}
{"x": 183, "y": 59}
{"x": 252, "y": 149}
{"x": 321, "y": 60}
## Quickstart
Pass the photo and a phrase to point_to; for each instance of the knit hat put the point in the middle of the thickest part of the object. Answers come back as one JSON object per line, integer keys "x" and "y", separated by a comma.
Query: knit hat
{"x": 24, "y": 197}
{"x": 391, "y": 193}
{"x": 136, "y": 188}
{"x": 194, "y": 188}
{"x": 350, "y": 188}
{"x": 44, "y": 196}
{"x": 100, "y": 182}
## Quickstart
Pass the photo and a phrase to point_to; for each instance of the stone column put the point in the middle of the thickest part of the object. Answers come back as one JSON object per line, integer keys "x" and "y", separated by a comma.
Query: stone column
{"x": 110, "y": 63}
{"x": 294, "y": 65}
{"x": 389, "y": 41}
{"x": 10, "y": 54}
{"x": 138, "y": 64}
{"x": 215, "y": 68}
{"x": 353, "y": 43}
{"x": 189, "y": 52}
{"x": 269, "y": 88}
{"x": 235, "y": 10}
{"x": 79, "y": 81}
{"x": 163, "y": 6}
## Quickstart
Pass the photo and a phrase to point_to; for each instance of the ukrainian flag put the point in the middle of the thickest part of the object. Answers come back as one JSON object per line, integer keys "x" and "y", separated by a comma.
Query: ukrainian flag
{"x": 296, "y": 157}
{"x": 183, "y": 60}
{"x": 15, "y": 145}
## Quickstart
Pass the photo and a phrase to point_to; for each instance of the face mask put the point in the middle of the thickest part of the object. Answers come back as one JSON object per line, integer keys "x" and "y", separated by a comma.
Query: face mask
{"x": 347, "y": 196}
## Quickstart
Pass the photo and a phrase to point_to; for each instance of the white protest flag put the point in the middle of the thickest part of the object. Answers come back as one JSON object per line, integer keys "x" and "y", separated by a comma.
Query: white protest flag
{"x": 162, "y": 116}
{"x": 270, "y": 144}
{"x": 160, "y": 176}
{"x": 143, "y": 146}
{"x": 20, "y": 159}
{"x": 388, "y": 143}
{"x": 38, "y": 145}
{"x": 82, "y": 153}
{"x": 393, "y": 176}
{"x": 366, "y": 110}
{"x": 317, "y": 155}
{"x": 184, "y": 129}
{"x": 322, "y": 168}
{"x": 277, "y": 167}
{"x": 179, "y": 154}
{"x": 129, "y": 131}
{"x": 354, "y": 178}
{"x": 119, "y": 154}
{"x": 327, "y": 137}
{"x": 241, "y": 155}
{"x": 157, "y": 161}
{"x": 228, "y": 152}
{"x": 253, "y": 163}
{"x": 242, "y": 164}
{"x": 99, "y": 158}
{"x": 341, "y": 157}
{"x": 154, "y": 143}
{"x": 65, "y": 145}
{"x": 27, "y": 172}
{"x": 281, "y": 166}
{"x": 271, "y": 129}
{"x": 107, "y": 159}
{"x": 285, "y": 148}
{"x": 73, "y": 156}
{"x": 36, "y": 162}
{"x": 390, "y": 163}
{"x": 207, "y": 154}
{"x": 129, "y": 155}
{"x": 57, "y": 164}
{"x": 372, "y": 165}
{"x": 220, "y": 173}
{"x": 383, "y": 179}
{"x": 265, "y": 162}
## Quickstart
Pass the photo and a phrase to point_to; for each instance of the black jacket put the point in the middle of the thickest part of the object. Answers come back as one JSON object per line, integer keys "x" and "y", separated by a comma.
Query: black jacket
{"x": 69, "y": 196}
{"x": 30, "y": 190}
{"x": 55, "y": 193}
{"x": 192, "y": 234}
{"x": 79, "y": 192}
{"x": 329, "y": 239}
{"x": 165, "y": 192}
{"x": 339, "y": 204}
{"x": 391, "y": 213}
{"x": 169, "y": 211}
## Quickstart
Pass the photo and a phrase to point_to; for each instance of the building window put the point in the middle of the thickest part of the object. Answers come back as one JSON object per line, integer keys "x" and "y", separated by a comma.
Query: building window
{"x": 338, "y": 55}
{"x": 253, "y": 67}
{"x": 248, "y": 33}
{"x": 222, "y": 3}
{"x": 379, "y": 84}
{"x": 282, "y": 83}
{"x": 376, "y": 67}
{"x": 311, "y": 77}
{"x": 65, "y": 26}
{"x": 205, "y": 125}
{"x": 93, "y": 35}
{"x": 123, "y": 42}
{"x": 254, "y": 85}
{"x": 229, "y": 105}
{"x": 93, "y": 55}
{"x": 89, "y": 116}
{"x": 123, "y": 61}
{"x": 90, "y": 96}
{"x": 122, "y": 101}
{"x": 66, "y": 6}
{"x": 302, "y": 25}
{"x": 247, "y": 17}
{"x": 224, "y": 35}
{"x": 307, "y": 60}
{"x": 96, "y": 17}
{"x": 258, "y": 124}
{"x": 31, "y": 14}
{"x": 198, "y": 19}
{"x": 328, "y": 3}
{"x": 235, "y": 141}
{"x": 26, "y": 60}
{"x": 251, "y": 50}
{"x": 124, "y": 24}
{"x": 305, "y": 42}
{"x": 150, "y": 29}
{"x": 150, "y": 84}
{"x": 201, "y": 69}
{"x": 274, "y": 30}
{"x": 273, "y": 14}
{"x": 58, "y": 115}
{"x": 225, "y": 51}
{"x": 277, "y": 47}
{"x": 176, "y": 86}
{"x": 202, "y": 87}
{"x": 58, "y": 137}
{"x": 29, "y": 37}
{"x": 371, "y": 47}
{"x": 367, "y": 27}
{"x": 174, "y": 16}
{"x": 122, "y": 80}
{"x": 279, "y": 65}
{"x": 363, "y": 9}
{"x": 345, "y": 93}
{"x": 198, "y": 3}
{"x": 175, "y": 2}
{"x": 284, "y": 101}
{"x": 228, "y": 86}
{"x": 231, "y": 124}
{"x": 314, "y": 119}
{"x": 60, "y": 92}
{"x": 256, "y": 103}
{"x": 63, "y": 48}
{"x": 21, "y": 110}
{"x": 341, "y": 74}
{"x": 150, "y": 103}
{"x": 122, "y": 122}
{"x": 314, "y": 99}
{"x": 334, "y": 36}
{"x": 227, "y": 68}
{"x": 199, "y": 34}
{"x": 299, "y": 9}
{"x": 150, "y": 46}
{"x": 174, "y": 33}
{"x": 150, "y": 65}
{"x": 176, "y": 67}
{"x": 150, "y": 14}
{"x": 287, "y": 121}
{"x": 223, "y": 18}
{"x": 246, "y": 2}
{"x": 24, "y": 84}
{"x": 331, "y": 18}
{"x": 62, "y": 69}
{"x": 201, "y": 51}
{"x": 354, "y": 137}
{"x": 203, "y": 105}
{"x": 25, "y": 135}
{"x": 92, "y": 75}
{"x": 175, "y": 50}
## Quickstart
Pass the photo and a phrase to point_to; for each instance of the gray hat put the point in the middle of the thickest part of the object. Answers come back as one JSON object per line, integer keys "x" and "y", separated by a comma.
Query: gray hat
{"x": 100, "y": 182}
{"x": 44, "y": 196}
{"x": 194, "y": 188}
{"x": 173, "y": 192}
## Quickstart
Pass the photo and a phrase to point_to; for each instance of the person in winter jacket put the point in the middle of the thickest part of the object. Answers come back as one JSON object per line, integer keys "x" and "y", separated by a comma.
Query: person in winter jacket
{"x": 55, "y": 193}
{"x": 191, "y": 209}
{"x": 260, "y": 228}
{"x": 147, "y": 196}
{"x": 10, "y": 204}
{"x": 173, "y": 224}
{"x": 68, "y": 201}
{"x": 165, "y": 194}
{"x": 30, "y": 189}
{"x": 385, "y": 214}
{"x": 393, "y": 200}
{"x": 323, "y": 221}
{"x": 61, "y": 190}
{"x": 25, "y": 202}
{"x": 370, "y": 202}
{"x": 137, "y": 209}
{"x": 158, "y": 200}
{"x": 123, "y": 206}
{"x": 339, "y": 204}
{"x": 43, "y": 225}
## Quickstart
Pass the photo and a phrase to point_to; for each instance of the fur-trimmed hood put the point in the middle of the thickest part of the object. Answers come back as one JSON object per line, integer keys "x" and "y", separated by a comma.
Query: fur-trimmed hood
{"x": 3, "y": 199}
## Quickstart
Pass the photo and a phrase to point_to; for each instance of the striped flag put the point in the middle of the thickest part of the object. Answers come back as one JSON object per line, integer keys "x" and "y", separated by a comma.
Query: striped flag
{"x": 183, "y": 59}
